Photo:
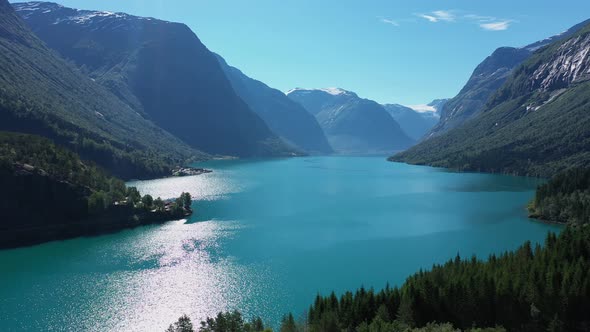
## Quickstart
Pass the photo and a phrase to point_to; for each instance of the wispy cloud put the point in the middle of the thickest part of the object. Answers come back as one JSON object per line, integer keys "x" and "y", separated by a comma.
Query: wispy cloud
{"x": 444, "y": 15}
{"x": 388, "y": 21}
{"x": 490, "y": 23}
{"x": 438, "y": 16}
{"x": 428, "y": 17}
{"x": 479, "y": 18}
{"x": 496, "y": 26}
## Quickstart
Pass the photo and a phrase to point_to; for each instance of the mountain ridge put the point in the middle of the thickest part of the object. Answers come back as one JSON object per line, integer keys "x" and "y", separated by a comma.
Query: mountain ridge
{"x": 353, "y": 125}
{"x": 40, "y": 93}
{"x": 161, "y": 70}
{"x": 285, "y": 117}
{"x": 487, "y": 77}
{"x": 536, "y": 124}
{"x": 412, "y": 122}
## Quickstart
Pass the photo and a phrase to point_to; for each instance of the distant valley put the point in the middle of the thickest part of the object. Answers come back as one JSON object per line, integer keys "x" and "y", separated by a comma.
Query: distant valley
{"x": 416, "y": 123}
{"x": 353, "y": 125}
{"x": 212, "y": 190}
{"x": 210, "y": 105}
{"x": 285, "y": 117}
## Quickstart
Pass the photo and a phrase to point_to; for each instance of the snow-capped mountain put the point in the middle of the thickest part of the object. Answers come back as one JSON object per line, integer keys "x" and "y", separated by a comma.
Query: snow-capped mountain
{"x": 353, "y": 125}
{"x": 331, "y": 91}
{"x": 285, "y": 117}
{"x": 65, "y": 15}
{"x": 416, "y": 120}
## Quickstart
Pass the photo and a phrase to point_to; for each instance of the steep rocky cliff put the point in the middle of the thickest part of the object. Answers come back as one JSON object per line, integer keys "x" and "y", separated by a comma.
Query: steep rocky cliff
{"x": 161, "y": 70}
{"x": 487, "y": 78}
{"x": 536, "y": 124}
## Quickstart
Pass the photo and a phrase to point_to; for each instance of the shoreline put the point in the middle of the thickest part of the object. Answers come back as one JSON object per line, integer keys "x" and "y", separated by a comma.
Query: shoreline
{"x": 538, "y": 219}
{"x": 117, "y": 219}
{"x": 392, "y": 159}
{"x": 189, "y": 171}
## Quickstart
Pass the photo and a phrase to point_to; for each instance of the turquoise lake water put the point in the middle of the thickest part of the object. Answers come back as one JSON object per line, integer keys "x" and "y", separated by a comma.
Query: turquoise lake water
{"x": 267, "y": 236}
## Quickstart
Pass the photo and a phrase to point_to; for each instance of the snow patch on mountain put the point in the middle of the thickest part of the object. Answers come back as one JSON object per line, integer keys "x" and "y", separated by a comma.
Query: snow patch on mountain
{"x": 30, "y": 8}
{"x": 332, "y": 91}
{"x": 422, "y": 108}
{"x": 86, "y": 16}
{"x": 75, "y": 16}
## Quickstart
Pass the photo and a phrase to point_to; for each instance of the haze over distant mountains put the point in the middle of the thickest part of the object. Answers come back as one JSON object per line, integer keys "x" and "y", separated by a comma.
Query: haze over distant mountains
{"x": 146, "y": 94}
{"x": 285, "y": 117}
{"x": 162, "y": 71}
{"x": 166, "y": 75}
{"x": 416, "y": 123}
{"x": 352, "y": 125}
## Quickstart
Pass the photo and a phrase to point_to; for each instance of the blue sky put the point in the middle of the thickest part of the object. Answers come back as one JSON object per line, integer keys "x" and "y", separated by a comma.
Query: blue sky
{"x": 407, "y": 52}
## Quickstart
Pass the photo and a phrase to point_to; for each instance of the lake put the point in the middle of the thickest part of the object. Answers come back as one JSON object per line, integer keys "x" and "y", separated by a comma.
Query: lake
{"x": 267, "y": 236}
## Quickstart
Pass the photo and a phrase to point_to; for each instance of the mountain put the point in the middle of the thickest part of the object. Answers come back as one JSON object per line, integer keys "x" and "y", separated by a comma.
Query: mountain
{"x": 285, "y": 117}
{"x": 416, "y": 122}
{"x": 536, "y": 124}
{"x": 487, "y": 78}
{"x": 413, "y": 123}
{"x": 161, "y": 70}
{"x": 353, "y": 125}
{"x": 438, "y": 105}
{"x": 41, "y": 94}
{"x": 484, "y": 81}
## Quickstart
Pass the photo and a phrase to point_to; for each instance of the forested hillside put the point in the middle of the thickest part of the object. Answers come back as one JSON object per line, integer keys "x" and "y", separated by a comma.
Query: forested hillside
{"x": 49, "y": 193}
{"x": 162, "y": 71}
{"x": 534, "y": 288}
{"x": 41, "y": 94}
{"x": 490, "y": 75}
{"x": 531, "y": 289}
{"x": 536, "y": 124}
{"x": 565, "y": 198}
{"x": 485, "y": 80}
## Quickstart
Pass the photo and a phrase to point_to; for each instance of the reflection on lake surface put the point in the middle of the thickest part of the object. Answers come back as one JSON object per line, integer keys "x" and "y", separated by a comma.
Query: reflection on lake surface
{"x": 267, "y": 236}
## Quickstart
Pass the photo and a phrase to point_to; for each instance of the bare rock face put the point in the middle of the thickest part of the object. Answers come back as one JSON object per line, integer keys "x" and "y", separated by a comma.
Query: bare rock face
{"x": 536, "y": 124}
{"x": 570, "y": 64}
{"x": 495, "y": 70}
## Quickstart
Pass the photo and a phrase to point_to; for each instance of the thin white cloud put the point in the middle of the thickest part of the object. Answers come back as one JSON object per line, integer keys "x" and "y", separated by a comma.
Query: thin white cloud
{"x": 489, "y": 23}
{"x": 444, "y": 15}
{"x": 479, "y": 18}
{"x": 428, "y": 17}
{"x": 388, "y": 21}
{"x": 438, "y": 16}
{"x": 496, "y": 26}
